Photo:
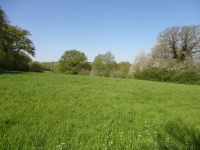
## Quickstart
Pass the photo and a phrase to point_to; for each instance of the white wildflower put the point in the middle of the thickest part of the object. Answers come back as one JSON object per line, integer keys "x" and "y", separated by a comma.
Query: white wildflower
{"x": 110, "y": 143}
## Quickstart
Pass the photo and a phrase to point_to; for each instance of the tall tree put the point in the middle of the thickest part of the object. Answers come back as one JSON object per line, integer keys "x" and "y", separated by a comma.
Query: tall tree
{"x": 16, "y": 47}
{"x": 17, "y": 40}
{"x": 179, "y": 43}
{"x": 124, "y": 66}
{"x": 72, "y": 61}
{"x": 3, "y": 24}
{"x": 3, "y": 20}
{"x": 189, "y": 41}
{"x": 141, "y": 62}
{"x": 104, "y": 63}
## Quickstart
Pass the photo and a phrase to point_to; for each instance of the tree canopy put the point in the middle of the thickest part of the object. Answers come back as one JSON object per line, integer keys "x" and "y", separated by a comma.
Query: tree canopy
{"x": 72, "y": 61}
{"x": 16, "y": 39}
{"x": 15, "y": 46}
{"x": 103, "y": 64}
{"x": 3, "y": 20}
{"x": 180, "y": 43}
{"x": 174, "y": 58}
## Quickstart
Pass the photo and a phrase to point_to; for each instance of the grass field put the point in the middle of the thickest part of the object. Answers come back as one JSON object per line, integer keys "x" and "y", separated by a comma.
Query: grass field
{"x": 41, "y": 111}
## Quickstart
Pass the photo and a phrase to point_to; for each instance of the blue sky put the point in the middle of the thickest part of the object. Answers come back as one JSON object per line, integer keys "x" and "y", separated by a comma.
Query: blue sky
{"x": 123, "y": 27}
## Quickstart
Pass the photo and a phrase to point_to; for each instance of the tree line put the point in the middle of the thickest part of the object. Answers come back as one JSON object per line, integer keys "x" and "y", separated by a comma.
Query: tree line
{"x": 175, "y": 56}
{"x": 104, "y": 65}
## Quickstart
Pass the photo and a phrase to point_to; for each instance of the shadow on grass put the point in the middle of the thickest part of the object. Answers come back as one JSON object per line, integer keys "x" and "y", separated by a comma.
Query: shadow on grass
{"x": 10, "y": 72}
{"x": 184, "y": 133}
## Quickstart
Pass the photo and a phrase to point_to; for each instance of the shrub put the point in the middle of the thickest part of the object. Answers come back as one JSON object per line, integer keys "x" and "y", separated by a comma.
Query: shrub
{"x": 148, "y": 74}
{"x": 189, "y": 76}
{"x": 118, "y": 74}
{"x": 84, "y": 72}
{"x": 154, "y": 74}
{"x": 35, "y": 66}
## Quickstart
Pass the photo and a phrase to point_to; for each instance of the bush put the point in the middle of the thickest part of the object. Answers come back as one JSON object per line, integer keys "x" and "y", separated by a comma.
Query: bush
{"x": 190, "y": 77}
{"x": 84, "y": 72}
{"x": 35, "y": 66}
{"x": 118, "y": 74}
{"x": 154, "y": 74}
{"x": 148, "y": 74}
{"x": 46, "y": 66}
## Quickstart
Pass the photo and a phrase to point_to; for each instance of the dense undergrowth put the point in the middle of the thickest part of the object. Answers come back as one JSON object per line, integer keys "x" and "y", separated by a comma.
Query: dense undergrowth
{"x": 162, "y": 75}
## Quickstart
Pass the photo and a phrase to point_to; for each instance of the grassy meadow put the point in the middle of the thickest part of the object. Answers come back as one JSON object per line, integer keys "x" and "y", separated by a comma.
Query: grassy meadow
{"x": 41, "y": 111}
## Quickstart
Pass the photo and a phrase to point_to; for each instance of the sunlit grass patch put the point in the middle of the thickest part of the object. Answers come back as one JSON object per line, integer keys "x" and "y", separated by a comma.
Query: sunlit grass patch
{"x": 44, "y": 110}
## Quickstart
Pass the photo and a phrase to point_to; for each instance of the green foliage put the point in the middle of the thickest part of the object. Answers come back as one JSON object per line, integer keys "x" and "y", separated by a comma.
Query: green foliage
{"x": 87, "y": 66}
{"x": 123, "y": 69}
{"x": 3, "y": 22}
{"x": 99, "y": 66}
{"x": 190, "y": 77}
{"x": 150, "y": 74}
{"x": 46, "y": 66}
{"x": 14, "y": 61}
{"x": 2, "y": 59}
{"x": 16, "y": 39}
{"x": 154, "y": 74}
{"x": 124, "y": 66}
{"x": 71, "y": 62}
{"x": 14, "y": 46}
{"x": 103, "y": 64}
{"x": 117, "y": 74}
{"x": 54, "y": 111}
{"x": 50, "y": 66}
{"x": 84, "y": 72}
{"x": 35, "y": 66}
{"x": 174, "y": 57}
{"x": 20, "y": 62}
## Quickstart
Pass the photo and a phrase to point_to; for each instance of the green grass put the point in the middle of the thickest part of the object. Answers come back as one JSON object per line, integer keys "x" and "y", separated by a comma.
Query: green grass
{"x": 53, "y": 111}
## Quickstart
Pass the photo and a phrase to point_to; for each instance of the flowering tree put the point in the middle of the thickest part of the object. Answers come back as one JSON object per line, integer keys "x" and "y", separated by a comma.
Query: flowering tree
{"x": 174, "y": 57}
{"x": 141, "y": 62}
